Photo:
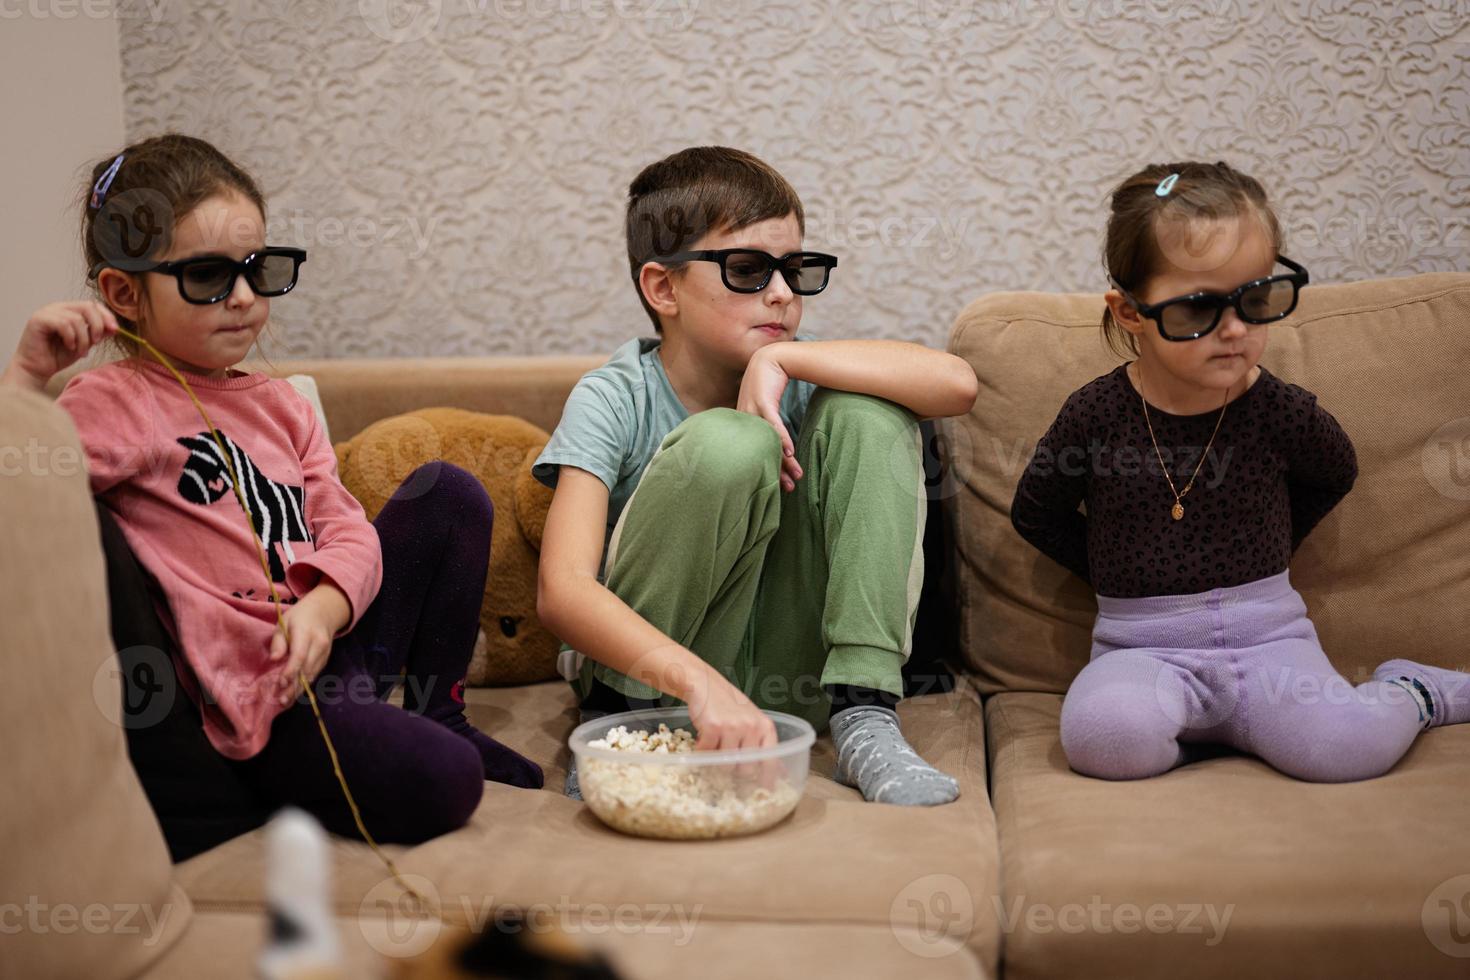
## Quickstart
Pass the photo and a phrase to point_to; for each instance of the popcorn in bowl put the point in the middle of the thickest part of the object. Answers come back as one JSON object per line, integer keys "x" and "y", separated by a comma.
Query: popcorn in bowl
{"x": 663, "y": 740}
{"x": 665, "y": 789}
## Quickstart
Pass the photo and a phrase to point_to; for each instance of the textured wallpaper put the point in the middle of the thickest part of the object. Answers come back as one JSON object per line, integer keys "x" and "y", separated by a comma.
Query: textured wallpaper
{"x": 457, "y": 168}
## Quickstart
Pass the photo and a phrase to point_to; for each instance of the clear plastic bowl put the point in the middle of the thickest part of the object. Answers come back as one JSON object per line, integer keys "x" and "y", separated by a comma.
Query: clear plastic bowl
{"x": 691, "y": 795}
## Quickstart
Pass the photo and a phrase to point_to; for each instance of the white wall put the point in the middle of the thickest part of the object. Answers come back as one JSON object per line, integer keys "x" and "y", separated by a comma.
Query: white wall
{"x": 60, "y": 72}
{"x": 457, "y": 170}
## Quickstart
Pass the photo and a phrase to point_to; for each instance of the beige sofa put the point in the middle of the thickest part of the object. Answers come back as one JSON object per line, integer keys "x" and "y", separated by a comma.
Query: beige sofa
{"x": 1370, "y": 879}
{"x": 1215, "y": 869}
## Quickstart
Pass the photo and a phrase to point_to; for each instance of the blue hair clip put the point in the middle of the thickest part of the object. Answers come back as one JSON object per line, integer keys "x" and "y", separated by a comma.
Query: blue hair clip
{"x": 99, "y": 189}
{"x": 1166, "y": 185}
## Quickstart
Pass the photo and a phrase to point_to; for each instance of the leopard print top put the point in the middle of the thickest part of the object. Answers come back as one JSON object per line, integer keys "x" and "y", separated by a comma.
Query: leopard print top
{"x": 1279, "y": 464}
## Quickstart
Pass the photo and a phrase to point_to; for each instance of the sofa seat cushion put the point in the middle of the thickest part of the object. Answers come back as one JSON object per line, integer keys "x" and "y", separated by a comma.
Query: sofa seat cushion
{"x": 1244, "y": 870}
{"x": 535, "y": 720}
{"x": 224, "y": 946}
{"x": 930, "y": 871}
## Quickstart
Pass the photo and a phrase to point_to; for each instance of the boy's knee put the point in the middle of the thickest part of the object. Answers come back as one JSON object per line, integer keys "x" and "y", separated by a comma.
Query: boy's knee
{"x": 866, "y": 414}
{"x": 723, "y": 447}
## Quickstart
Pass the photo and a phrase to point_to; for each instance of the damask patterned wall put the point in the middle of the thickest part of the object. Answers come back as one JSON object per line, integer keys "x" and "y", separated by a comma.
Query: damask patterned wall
{"x": 457, "y": 167}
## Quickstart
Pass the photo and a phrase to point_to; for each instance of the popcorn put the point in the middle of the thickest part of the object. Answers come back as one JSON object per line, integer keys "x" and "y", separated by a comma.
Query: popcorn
{"x": 675, "y": 801}
{"x": 663, "y": 740}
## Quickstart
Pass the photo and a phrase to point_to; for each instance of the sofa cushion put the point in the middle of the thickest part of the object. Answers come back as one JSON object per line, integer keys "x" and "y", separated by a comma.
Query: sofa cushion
{"x": 1386, "y": 357}
{"x": 86, "y": 889}
{"x": 927, "y": 872}
{"x": 1227, "y": 865}
{"x": 640, "y": 944}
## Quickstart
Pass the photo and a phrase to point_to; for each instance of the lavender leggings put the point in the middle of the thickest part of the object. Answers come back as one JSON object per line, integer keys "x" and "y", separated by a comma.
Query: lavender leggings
{"x": 1238, "y": 666}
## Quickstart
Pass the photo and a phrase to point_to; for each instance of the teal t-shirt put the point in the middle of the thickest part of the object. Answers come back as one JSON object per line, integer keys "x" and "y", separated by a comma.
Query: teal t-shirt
{"x": 617, "y": 416}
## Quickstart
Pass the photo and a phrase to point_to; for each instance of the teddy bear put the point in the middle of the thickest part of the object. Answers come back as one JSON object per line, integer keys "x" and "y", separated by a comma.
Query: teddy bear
{"x": 512, "y": 647}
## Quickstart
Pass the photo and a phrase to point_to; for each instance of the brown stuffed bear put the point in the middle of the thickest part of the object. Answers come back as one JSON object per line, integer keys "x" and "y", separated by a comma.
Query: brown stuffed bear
{"x": 513, "y": 647}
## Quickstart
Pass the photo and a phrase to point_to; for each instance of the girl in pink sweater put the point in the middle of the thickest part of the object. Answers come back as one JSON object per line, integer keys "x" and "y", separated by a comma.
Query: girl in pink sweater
{"x": 174, "y": 235}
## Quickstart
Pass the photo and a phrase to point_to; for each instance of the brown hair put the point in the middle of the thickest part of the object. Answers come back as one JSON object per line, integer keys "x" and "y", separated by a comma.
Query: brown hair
{"x": 1202, "y": 191}
{"x": 158, "y": 182}
{"x": 674, "y": 202}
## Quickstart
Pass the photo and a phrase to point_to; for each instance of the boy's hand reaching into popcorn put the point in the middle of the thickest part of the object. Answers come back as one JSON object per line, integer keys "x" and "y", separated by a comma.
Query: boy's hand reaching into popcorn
{"x": 724, "y": 717}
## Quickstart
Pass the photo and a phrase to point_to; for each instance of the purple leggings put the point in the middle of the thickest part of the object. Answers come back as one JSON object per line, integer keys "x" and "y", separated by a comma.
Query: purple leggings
{"x": 1238, "y": 666}
{"x": 414, "y": 773}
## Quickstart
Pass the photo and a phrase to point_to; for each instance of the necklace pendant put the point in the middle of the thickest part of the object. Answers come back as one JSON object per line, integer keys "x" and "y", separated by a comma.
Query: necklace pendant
{"x": 1178, "y": 511}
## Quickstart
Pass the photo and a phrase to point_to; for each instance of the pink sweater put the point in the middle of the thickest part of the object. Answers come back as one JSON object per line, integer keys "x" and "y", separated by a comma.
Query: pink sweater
{"x": 153, "y": 463}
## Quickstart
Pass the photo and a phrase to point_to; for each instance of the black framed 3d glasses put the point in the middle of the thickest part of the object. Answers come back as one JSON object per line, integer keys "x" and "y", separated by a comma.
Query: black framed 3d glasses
{"x": 749, "y": 270}
{"x": 1195, "y": 315}
{"x": 208, "y": 279}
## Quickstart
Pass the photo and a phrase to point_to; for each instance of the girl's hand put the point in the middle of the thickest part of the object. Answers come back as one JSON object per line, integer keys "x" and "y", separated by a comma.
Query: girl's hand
{"x": 725, "y": 717}
{"x": 56, "y": 337}
{"x": 310, "y": 626}
{"x": 760, "y": 394}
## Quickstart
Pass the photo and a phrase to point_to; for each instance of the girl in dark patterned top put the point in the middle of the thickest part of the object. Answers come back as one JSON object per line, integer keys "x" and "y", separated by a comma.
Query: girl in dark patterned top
{"x": 1201, "y": 473}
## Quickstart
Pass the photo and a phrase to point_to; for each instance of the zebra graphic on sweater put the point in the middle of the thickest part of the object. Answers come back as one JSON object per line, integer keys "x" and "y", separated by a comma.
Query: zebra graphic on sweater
{"x": 277, "y": 510}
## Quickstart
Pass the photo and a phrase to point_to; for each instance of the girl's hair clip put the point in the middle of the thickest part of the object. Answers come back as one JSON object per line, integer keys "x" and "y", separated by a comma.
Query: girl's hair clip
{"x": 99, "y": 189}
{"x": 1166, "y": 185}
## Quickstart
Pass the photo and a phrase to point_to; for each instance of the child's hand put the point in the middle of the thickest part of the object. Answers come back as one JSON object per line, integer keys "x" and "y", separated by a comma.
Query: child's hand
{"x": 310, "y": 626}
{"x": 726, "y": 718}
{"x": 56, "y": 337}
{"x": 760, "y": 394}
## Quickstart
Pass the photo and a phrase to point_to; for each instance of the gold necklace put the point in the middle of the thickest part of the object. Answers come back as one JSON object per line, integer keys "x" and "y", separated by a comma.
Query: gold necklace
{"x": 1178, "y": 509}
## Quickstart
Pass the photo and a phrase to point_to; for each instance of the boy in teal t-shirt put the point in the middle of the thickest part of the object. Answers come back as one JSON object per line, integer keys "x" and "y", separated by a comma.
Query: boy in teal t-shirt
{"x": 738, "y": 517}
{"x": 617, "y": 415}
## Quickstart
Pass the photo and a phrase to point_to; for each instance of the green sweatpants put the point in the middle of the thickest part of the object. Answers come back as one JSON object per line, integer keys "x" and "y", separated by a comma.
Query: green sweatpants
{"x": 781, "y": 592}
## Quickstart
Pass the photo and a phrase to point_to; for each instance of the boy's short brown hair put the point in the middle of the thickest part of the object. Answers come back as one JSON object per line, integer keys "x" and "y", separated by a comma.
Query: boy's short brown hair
{"x": 674, "y": 202}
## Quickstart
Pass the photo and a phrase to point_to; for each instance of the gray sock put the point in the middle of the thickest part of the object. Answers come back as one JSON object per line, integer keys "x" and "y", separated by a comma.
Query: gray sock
{"x": 873, "y": 756}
